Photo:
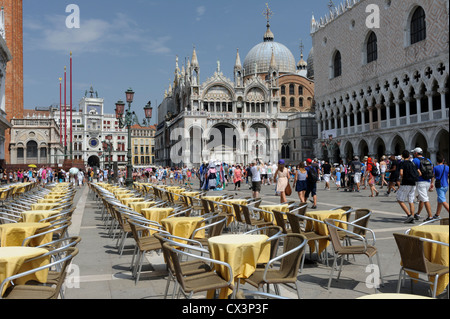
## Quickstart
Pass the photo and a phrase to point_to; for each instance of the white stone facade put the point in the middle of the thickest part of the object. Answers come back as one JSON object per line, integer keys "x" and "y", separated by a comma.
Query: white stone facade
{"x": 398, "y": 101}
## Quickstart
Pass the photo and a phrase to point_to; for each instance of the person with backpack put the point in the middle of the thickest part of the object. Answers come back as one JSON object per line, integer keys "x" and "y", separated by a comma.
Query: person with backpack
{"x": 423, "y": 185}
{"x": 311, "y": 182}
{"x": 372, "y": 172}
{"x": 407, "y": 189}
{"x": 440, "y": 179}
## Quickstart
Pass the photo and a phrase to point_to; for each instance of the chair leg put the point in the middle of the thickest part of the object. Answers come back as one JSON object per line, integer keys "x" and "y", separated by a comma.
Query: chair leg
{"x": 297, "y": 285}
{"x": 332, "y": 271}
{"x": 436, "y": 278}
{"x": 340, "y": 267}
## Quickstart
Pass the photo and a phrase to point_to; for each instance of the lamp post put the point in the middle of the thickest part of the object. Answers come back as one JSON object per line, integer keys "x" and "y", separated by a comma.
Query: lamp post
{"x": 128, "y": 118}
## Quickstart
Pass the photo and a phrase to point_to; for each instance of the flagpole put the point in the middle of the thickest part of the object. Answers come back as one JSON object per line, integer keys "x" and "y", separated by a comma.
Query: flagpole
{"x": 65, "y": 113}
{"x": 60, "y": 111}
{"x": 71, "y": 148}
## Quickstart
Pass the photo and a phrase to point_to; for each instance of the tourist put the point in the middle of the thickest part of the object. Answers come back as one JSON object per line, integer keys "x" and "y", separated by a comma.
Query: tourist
{"x": 326, "y": 173}
{"x": 406, "y": 193}
{"x": 393, "y": 170}
{"x": 371, "y": 174}
{"x": 255, "y": 170}
{"x": 338, "y": 177}
{"x": 237, "y": 177}
{"x": 300, "y": 182}
{"x": 311, "y": 182}
{"x": 281, "y": 176}
{"x": 440, "y": 179}
{"x": 356, "y": 168}
{"x": 383, "y": 168}
{"x": 423, "y": 185}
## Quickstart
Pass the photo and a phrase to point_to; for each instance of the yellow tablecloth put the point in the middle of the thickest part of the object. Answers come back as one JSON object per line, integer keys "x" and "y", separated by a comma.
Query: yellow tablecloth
{"x": 213, "y": 198}
{"x": 124, "y": 195}
{"x": 138, "y": 206}
{"x": 270, "y": 208}
{"x": 12, "y": 262}
{"x": 322, "y": 229}
{"x": 230, "y": 210}
{"x": 156, "y": 213}
{"x": 34, "y": 216}
{"x": 241, "y": 252}
{"x": 13, "y": 234}
{"x": 190, "y": 194}
{"x": 44, "y": 206}
{"x": 54, "y": 196}
{"x": 176, "y": 192}
{"x": 128, "y": 200}
{"x": 437, "y": 254}
{"x": 49, "y": 200}
{"x": 183, "y": 226}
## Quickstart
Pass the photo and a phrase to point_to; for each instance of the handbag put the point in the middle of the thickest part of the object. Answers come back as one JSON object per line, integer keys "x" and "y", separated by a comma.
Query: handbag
{"x": 288, "y": 190}
{"x": 437, "y": 182}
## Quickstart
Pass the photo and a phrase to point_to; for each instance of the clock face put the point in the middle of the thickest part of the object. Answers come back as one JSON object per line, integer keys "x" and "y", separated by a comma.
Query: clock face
{"x": 93, "y": 142}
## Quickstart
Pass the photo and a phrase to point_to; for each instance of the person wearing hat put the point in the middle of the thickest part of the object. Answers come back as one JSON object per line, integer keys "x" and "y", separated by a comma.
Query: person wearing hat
{"x": 281, "y": 176}
{"x": 423, "y": 185}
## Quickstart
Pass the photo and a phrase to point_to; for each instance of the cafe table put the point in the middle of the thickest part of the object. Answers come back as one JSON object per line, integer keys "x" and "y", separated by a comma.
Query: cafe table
{"x": 157, "y": 213}
{"x": 128, "y": 200}
{"x": 49, "y": 200}
{"x": 230, "y": 210}
{"x": 241, "y": 252}
{"x": 190, "y": 194}
{"x": 184, "y": 227}
{"x": 12, "y": 262}
{"x": 13, "y": 234}
{"x": 34, "y": 216}
{"x": 138, "y": 206}
{"x": 435, "y": 253}
{"x": 54, "y": 195}
{"x": 270, "y": 208}
{"x": 176, "y": 191}
{"x": 44, "y": 206}
{"x": 321, "y": 228}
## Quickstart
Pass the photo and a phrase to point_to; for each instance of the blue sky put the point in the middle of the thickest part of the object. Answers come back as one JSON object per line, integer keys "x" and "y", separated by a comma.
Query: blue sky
{"x": 134, "y": 43}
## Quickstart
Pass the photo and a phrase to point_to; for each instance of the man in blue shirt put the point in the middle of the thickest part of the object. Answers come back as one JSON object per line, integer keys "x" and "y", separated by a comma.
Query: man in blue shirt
{"x": 441, "y": 172}
{"x": 423, "y": 185}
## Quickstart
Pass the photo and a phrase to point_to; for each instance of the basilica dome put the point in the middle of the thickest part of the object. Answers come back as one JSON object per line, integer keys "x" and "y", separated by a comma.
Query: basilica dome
{"x": 259, "y": 57}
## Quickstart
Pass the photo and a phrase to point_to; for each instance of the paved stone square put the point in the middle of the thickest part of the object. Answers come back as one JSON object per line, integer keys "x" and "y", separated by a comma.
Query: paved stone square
{"x": 106, "y": 275}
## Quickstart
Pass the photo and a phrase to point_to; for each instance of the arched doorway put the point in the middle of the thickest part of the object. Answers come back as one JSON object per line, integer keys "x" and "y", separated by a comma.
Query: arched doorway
{"x": 348, "y": 150}
{"x": 196, "y": 145}
{"x": 94, "y": 161}
{"x": 363, "y": 149}
{"x": 442, "y": 142}
{"x": 420, "y": 141}
{"x": 222, "y": 143}
{"x": 259, "y": 144}
{"x": 398, "y": 145}
{"x": 380, "y": 148}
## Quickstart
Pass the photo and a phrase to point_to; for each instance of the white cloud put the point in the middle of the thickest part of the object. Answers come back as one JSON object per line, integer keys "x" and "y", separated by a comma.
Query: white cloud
{"x": 121, "y": 36}
{"x": 200, "y": 12}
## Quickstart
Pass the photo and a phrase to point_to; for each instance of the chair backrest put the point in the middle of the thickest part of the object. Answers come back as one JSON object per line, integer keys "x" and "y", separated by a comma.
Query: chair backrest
{"x": 334, "y": 235}
{"x": 237, "y": 212}
{"x": 411, "y": 252}
{"x": 444, "y": 221}
{"x": 176, "y": 263}
{"x": 205, "y": 205}
{"x": 294, "y": 222}
{"x": 246, "y": 212}
{"x": 290, "y": 263}
{"x": 362, "y": 217}
{"x": 299, "y": 210}
{"x": 279, "y": 218}
{"x": 166, "y": 252}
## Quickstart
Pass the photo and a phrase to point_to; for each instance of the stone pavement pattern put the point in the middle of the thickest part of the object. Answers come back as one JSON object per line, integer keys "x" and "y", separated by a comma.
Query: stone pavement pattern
{"x": 106, "y": 275}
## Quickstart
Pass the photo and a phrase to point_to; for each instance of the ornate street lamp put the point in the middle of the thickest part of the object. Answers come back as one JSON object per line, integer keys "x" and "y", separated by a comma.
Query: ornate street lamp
{"x": 128, "y": 118}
